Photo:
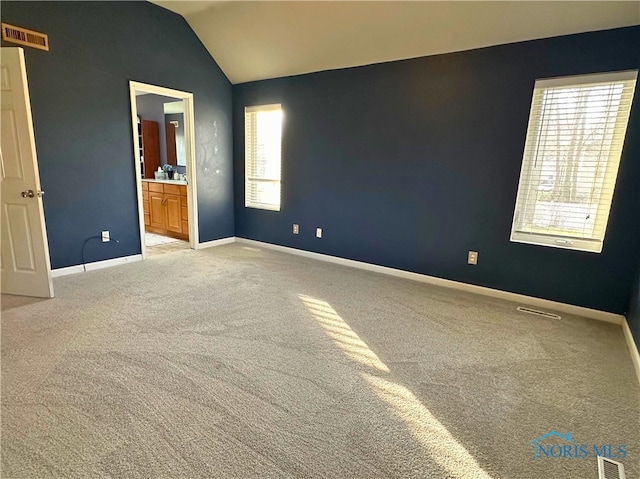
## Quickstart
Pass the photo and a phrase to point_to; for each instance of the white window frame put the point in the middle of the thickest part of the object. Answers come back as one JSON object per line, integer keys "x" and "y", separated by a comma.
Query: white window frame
{"x": 527, "y": 232}
{"x": 252, "y": 199}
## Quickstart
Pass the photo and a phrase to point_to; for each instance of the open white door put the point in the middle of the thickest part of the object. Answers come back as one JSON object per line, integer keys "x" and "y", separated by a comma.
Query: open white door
{"x": 25, "y": 266}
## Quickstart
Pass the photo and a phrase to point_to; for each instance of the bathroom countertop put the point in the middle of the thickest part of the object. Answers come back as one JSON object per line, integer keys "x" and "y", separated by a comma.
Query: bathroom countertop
{"x": 171, "y": 182}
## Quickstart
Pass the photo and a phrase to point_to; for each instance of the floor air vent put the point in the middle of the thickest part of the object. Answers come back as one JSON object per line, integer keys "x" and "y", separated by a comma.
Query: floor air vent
{"x": 608, "y": 469}
{"x": 22, "y": 36}
{"x": 538, "y": 313}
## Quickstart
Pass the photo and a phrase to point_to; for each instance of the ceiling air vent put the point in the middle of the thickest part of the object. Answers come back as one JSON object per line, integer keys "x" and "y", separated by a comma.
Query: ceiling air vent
{"x": 22, "y": 36}
{"x": 608, "y": 469}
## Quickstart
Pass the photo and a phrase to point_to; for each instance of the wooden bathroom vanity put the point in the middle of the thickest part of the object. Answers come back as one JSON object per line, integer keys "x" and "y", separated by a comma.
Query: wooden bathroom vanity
{"x": 165, "y": 208}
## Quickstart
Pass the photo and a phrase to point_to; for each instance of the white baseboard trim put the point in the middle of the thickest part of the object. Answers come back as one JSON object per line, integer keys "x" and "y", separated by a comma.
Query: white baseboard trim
{"x": 494, "y": 293}
{"x": 127, "y": 259}
{"x": 107, "y": 263}
{"x": 633, "y": 348}
{"x": 422, "y": 278}
{"x": 218, "y": 242}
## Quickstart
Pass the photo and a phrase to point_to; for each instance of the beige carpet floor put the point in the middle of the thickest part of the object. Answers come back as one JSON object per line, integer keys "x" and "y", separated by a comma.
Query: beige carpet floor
{"x": 240, "y": 362}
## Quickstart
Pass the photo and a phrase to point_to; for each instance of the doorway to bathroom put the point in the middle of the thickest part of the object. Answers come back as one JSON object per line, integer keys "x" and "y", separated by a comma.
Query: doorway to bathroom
{"x": 164, "y": 152}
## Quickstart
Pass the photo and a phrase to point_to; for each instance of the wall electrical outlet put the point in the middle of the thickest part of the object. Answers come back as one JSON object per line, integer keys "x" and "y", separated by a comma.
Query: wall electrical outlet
{"x": 296, "y": 229}
{"x": 318, "y": 232}
{"x": 472, "y": 258}
{"x": 105, "y": 237}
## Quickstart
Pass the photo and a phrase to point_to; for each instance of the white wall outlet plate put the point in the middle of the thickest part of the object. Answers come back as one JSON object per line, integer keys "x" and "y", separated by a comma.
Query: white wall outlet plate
{"x": 472, "y": 258}
{"x": 105, "y": 236}
{"x": 318, "y": 232}
{"x": 296, "y": 229}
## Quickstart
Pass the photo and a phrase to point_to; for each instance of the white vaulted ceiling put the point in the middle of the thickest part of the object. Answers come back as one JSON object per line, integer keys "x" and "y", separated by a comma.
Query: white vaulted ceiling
{"x": 266, "y": 39}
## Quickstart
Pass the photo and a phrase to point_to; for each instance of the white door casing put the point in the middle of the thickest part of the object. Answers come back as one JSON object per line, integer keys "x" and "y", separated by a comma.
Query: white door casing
{"x": 190, "y": 152}
{"x": 24, "y": 251}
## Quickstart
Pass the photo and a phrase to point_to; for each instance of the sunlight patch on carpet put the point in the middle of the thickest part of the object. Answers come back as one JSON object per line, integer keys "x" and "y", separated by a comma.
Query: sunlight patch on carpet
{"x": 341, "y": 334}
{"x": 431, "y": 433}
{"x": 424, "y": 426}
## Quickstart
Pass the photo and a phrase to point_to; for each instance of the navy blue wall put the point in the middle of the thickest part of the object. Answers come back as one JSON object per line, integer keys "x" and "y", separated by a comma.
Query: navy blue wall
{"x": 633, "y": 316}
{"x": 82, "y": 118}
{"x": 633, "y": 310}
{"x": 410, "y": 164}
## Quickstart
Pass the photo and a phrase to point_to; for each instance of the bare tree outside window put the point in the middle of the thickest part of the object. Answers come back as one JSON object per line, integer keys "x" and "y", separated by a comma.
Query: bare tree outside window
{"x": 574, "y": 142}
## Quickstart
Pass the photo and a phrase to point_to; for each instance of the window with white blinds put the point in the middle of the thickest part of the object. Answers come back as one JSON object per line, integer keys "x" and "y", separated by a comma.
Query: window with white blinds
{"x": 577, "y": 127}
{"x": 263, "y": 140}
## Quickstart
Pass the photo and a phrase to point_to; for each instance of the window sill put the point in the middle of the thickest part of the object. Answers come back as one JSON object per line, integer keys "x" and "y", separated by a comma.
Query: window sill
{"x": 590, "y": 246}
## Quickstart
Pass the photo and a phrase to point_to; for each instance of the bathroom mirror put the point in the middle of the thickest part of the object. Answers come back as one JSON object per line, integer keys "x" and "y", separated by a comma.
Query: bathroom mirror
{"x": 174, "y": 131}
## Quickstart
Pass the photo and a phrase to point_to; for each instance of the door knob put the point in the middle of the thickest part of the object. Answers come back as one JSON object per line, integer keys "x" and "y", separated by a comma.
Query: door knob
{"x": 31, "y": 194}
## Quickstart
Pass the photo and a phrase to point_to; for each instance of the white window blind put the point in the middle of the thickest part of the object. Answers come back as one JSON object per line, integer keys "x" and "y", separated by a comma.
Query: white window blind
{"x": 577, "y": 127}
{"x": 263, "y": 140}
